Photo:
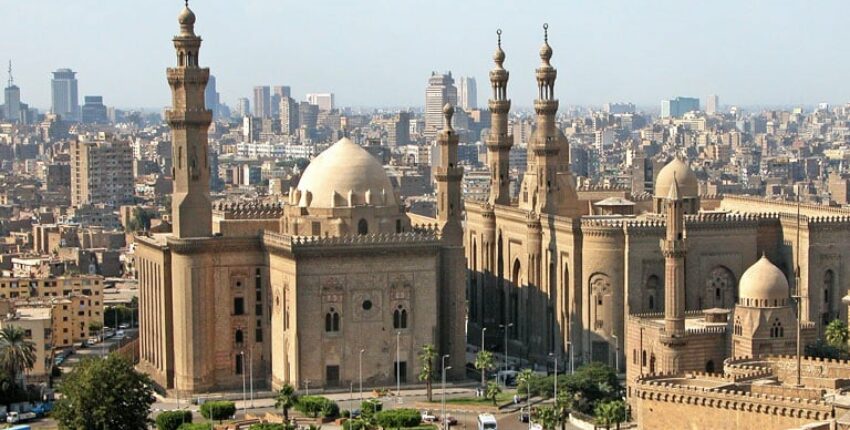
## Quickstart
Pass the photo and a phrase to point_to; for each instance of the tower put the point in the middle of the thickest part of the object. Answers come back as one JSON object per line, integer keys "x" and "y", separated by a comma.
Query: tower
{"x": 674, "y": 249}
{"x": 12, "y": 99}
{"x": 189, "y": 121}
{"x": 499, "y": 142}
{"x": 448, "y": 177}
{"x": 547, "y": 186}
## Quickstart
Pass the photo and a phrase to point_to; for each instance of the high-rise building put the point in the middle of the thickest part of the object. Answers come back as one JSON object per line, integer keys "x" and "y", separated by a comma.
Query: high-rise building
{"x": 262, "y": 102}
{"x": 278, "y": 93}
{"x": 325, "y": 101}
{"x": 308, "y": 117}
{"x": 64, "y": 98}
{"x": 101, "y": 171}
{"x": 679, "y": 106}
{"x": 467, "y": 93}
{"x": 93, "y": 110}
{"x": 398, "y": 130}
{"x": 12, "y": 99}
{"x": 712, "y": 104}
{"x": 243, "y": 107}
{"x": 619, "y": 108}
{"x": 440, "y": 90}
{"x": 212, "y": 98}
{"x": 288, "y": 109}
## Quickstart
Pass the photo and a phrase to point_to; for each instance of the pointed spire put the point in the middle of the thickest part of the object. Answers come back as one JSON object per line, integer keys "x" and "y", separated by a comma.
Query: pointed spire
{"x": 11, "y": 80}
{"x": 673, "y": 195}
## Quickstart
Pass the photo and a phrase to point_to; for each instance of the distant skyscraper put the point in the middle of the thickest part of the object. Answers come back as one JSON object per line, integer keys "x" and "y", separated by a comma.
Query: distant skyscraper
{"x": 440, "y": 90}
{"x": 211, "y": 97}
{"x": 325, "y": 101}
{"x": 288, "y": 109}
{"x": 64, "y": 95}
{"x": 679, "y": 106}
{"x": 93, "y": 111}
{"x": 467, "y": 93}
{"x": 619, "y": 108}
{"x": 12, "y": 99}
{"x": 262, "y": 102}
{"x": 308, "y": 117}
{"x": 712, "y": 104}
{"x": 243, "y": 107}
{"x": 278, "y": 93}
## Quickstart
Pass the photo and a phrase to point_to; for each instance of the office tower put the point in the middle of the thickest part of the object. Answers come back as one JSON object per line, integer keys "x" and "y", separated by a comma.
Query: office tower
{"x": 619, "y": 108}
{"x": 262, "y": 102}
{"x": 679, "y": 106}
{"x": 93, "y": 110}
{"x": 243, "y": 107}
{"x": 101, "y": 171}
{"x": 467, "y": 93}
{"x": 278, "y": 93}
{"x": 325, "y": 101}
{"x": 64, "y": 94}
{"x": 440, "y": 90}
{"x": 308, "y": 116}
{"x": 712, "y": 104}
{"x": 12, "y": 99}
{"x": 398, "y": 130}
{"x": 211, "y": 97}
{"x": 288, "y": 109}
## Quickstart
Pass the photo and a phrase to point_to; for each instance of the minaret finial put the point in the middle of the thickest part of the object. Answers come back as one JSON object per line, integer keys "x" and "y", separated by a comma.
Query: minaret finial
{"x": 545, "y": 31}
{"x": 448, "y": 112}
{"x": 499, "y": 37}
{"x": 186, "y": 3}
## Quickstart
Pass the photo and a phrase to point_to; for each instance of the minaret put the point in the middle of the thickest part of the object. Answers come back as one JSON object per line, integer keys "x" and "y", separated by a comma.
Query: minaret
{"x": 547, "y": 186}
{"x": 674, "y": 249}
{"x": 189, "y": 121}
{"x": 499, "y": 142}
{"x": 448, "y": 176}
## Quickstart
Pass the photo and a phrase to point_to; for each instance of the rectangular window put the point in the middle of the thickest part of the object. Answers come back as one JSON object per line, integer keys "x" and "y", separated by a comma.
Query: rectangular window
{"x": 238, "y": 306}
{"x": 332, "y": 375}
{"x": 238, "y": 364}
{"x": 258, "y": 334}
{"x": 400, "y": 371}
{"x": 258, "y": 309}
{"x": 316, "y": 228}
{"x": 259, "y": 295}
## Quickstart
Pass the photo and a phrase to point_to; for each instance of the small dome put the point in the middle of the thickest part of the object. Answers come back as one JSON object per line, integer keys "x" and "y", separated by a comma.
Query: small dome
{"x": 499, "y": 56}
{"x": 186, "y": 17}
{"x": 345, "y": 170}
{"x": 764, "y": 281}
{"x": 684, "y": 176}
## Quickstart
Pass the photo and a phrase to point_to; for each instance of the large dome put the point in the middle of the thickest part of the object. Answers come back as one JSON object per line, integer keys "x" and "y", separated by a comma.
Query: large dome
{"x": 345, "y": 175}
{"x": 678, "y": 169}
{"x": 764, "y": 281}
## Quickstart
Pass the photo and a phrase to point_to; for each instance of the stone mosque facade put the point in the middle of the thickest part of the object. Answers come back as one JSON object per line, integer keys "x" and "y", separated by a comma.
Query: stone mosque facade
{"x": 566, "y": 276}
{"x": 308, "y": 292}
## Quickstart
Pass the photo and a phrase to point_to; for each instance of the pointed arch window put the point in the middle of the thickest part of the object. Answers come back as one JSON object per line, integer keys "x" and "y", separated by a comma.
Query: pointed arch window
{"x": 332, "y": 321}
{"x": 776, "y": 330}
{"x": 400, "y": 317}
{"x": 238, "y": 337}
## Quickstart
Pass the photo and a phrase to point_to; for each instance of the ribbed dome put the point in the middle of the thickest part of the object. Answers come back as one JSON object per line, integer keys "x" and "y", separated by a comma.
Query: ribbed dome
{"x": 678, "y": 169}
{"x": 764, "y": 281}
{"x": 343, "y": 171}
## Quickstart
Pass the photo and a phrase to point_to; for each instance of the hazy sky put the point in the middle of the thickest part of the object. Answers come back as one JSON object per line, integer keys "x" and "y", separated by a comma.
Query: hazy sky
{"x": 380, "y": 52}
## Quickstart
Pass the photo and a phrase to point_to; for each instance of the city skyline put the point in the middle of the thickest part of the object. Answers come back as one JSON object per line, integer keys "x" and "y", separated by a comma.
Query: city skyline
{"x": 641, "y": 53}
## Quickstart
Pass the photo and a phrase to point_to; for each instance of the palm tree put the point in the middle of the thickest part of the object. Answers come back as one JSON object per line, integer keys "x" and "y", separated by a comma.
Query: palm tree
{"x": 492, "y": 392}
{"x": 547, "y": 417}
{"x": 17, "y": 354}
{"x": 608, "y": 413}
{"x": 524, "y": 380}
{"x": 426, "y": 361}
{"x": 836, "y": 334}
{"x": 484, "y": 362}
{"x": 286, "y": 399}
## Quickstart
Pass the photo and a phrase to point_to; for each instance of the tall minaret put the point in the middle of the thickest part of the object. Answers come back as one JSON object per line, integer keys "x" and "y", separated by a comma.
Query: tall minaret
{"x": 499, "y": 142}
{"x": 448, "y": 176}
{"x": 189, "y": 119}
{"x": 547, "y": 185}
{"x": 674, "y": 249}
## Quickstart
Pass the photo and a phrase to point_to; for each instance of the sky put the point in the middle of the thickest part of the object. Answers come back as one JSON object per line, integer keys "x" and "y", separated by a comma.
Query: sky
{"x": 381, "y": 52}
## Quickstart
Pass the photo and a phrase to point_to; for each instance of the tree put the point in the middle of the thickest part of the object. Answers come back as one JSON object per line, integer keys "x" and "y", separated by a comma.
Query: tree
{"x": 104, "y": 394}
{"x": 219, "y": 410}
{"x": 548, "y": 417}
{"x": 610, "y": 412}
{"x": 286, "y": 399}
{"x": 95, "y": 327}
{"x": 172, "y": 420}
{"x": 17, "y": 354}
{"x": 492, "y": 392}
{"x": 398, "y": 418}
{"x": 524, "y": 381}
{"x": 426, "y": 363}
{"x": 484, "y": 362}
{"x": 836, "y": 334}
{"x": 313, "y": 406}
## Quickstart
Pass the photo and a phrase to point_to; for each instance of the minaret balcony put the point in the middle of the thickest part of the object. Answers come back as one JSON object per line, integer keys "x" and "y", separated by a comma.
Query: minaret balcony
{"x": 499, "y": 106}
{"x": 545, "y": 107}
{"x": 189, "y": 116}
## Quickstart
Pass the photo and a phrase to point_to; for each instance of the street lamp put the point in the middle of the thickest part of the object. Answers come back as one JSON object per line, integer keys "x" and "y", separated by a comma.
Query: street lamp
{"x": 251, "y": 375}
{"x": 242, "y": 369}
{"x": 555, "y": 383}
{"x": 483, "y": 370}
{"x": 570, "y": 346}
{"x": 307, "y": 386}
{"x": 443, "y": 399}
{"x": 398, "y": 365}
{"x": 505, "y": 328}
{"x": 360, "y": 365}
{"x": 616, "y": 353}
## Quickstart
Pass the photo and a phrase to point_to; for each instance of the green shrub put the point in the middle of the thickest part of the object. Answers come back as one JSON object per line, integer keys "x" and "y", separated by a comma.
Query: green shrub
{"x": 197, "y": 426}
{"x": 269, "y": 426}
{"x": 398, "y": 418}
{"x": 368, "y": 409}
{"x": 219, "y": 410}
{"x": 357, "y": 424}
{"x": 313, "y": 406}
{"x": 171, "y": 420}
{"x": 346, "y": 413}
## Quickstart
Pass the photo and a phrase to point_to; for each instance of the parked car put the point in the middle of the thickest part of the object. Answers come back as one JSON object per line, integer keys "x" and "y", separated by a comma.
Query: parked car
{"x": 450, "y": 420}
{"x": 119, "y": 334}
{"x": 428, "y": 417}
{"x": 91, "y": 341}
{"x": 20, "y": 417}
{"x": 123, "y": 326}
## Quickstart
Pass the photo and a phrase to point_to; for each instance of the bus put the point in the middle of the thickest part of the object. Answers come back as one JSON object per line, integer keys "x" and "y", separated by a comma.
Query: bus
{"x": 487, "y": 422}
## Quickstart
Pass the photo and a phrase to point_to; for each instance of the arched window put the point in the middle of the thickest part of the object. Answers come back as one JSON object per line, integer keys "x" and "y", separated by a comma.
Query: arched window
{"x": 652, "y": 291}
{"x": 643, "y": 358}
{"x": 362, "y": 227}
{"x": 398, "y": 226}
{"x": 738, "y": 329}
{"x": 238, "y": 336}
{"x": 776, "y": 329}
{"x": 400, "y": 317}
{"x": 709, "y": 366}
{"x": 332, "y": 321}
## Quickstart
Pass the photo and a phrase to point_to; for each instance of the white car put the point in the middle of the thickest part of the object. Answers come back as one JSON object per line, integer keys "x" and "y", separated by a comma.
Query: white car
{"x": 428, "y": 417}
{"x": 124, "y": 326}
{"x": 119, "y": 334}
{"x": 91, "y": 341}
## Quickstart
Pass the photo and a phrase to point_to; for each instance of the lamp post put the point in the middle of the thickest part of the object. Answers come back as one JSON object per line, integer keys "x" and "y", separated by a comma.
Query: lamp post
{"x": 616, "y": 354}
{"x": 443, "y": 398}
{"x": 251, "y": 374}
{"x": 360, "y": 372}
{"x": 398, "y": 365}
{"x": 570, "y": 346}
{"x": 555, "y": 383}
{"x": 505, "y": 328}
{"x": 242, "y": 369}
{"x": 307, "y": 386}
{"x": 483, "y": 370}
